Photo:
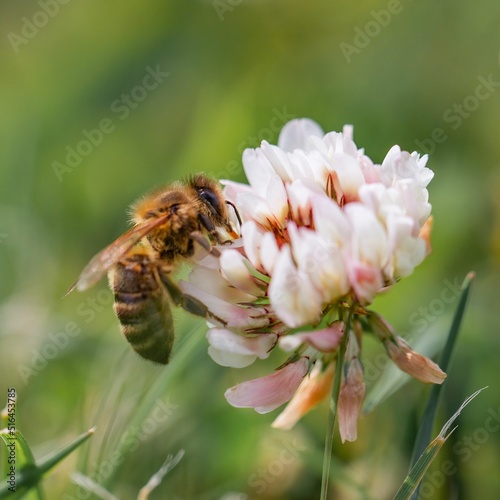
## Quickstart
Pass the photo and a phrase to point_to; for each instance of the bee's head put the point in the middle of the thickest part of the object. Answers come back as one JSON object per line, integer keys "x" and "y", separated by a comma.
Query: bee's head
{"x": 213, "y": 203}
{"x": 210, "y": 196}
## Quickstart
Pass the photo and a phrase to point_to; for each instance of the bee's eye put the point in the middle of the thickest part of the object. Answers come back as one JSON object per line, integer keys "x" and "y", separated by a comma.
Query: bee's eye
{"x": 174, "y": 208}
{"x": 211, "y": 199}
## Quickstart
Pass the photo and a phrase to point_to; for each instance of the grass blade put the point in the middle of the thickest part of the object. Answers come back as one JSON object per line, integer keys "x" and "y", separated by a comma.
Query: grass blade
{"x": 425, "y": 430}
{"x": 179, "y": 363}
{"x": 417, "y": 472}
{"x": 52, "y": 460}
{"x": 24, "y": 466}
{"x": 28, "y": 473}
{"x": 92, "y": 487}
{"x": 158, "y": 476}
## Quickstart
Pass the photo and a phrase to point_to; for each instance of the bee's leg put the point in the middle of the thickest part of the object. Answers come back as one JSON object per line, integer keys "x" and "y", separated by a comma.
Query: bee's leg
{"x": 187, "y": 302}
{"x": 202, "y": 241}
{"x": 211, "y": 229}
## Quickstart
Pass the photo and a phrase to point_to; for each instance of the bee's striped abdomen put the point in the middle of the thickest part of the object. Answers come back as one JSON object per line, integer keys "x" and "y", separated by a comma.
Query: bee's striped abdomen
{"x": 143, "y": 307}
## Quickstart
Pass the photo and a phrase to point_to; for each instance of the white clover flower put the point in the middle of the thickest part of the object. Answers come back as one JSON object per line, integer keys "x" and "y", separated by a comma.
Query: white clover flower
{"x": 237, "y": 351}
{"x": 324, "y": 228}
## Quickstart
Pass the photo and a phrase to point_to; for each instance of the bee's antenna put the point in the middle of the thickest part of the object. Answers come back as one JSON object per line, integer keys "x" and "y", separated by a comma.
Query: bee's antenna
{"x": 235, "y": 211}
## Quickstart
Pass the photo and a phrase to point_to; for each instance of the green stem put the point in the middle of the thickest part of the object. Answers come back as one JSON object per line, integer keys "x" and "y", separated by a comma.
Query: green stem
{"x": 333, "y": 406}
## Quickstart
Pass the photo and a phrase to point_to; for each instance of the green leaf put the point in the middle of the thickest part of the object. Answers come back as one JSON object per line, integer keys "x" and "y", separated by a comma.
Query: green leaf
{"x": 28, "y": 474}
{"x": 91, "y": 486}
{"x": 425, "y": 430}
{"x": 25, "y": 475}
{"x": 149, "y": 400}
{"x": 52, "y": 460}
{"x": 158, "y": 476}
{"x": 411, "y": 483}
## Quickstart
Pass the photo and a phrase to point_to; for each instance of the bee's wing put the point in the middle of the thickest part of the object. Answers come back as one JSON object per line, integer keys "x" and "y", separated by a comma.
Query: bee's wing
{"x": 112, "y": 254}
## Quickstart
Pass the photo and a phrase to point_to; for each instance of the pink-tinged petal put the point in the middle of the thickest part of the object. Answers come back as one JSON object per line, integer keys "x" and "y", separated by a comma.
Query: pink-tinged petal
{"x": 295, "y": 299}
{"x": 400, "y": 166}
{"x": 369, "y": 241}
{"x": 349, "y": 175}
{"x": 425, "y": 174}
{"x": 212, "y": 282}
{"x": 256, "y": 208}
{"x": 330, "y": 222}
{"x": 270, "y": 209}
{"x": 234, "y": 266}
{"x": 233, "y": 189}
{"x": 224, "y": 312}
{"x": 366, "y": 280}
{"x": 408, "y": 251}
{"x": 237, "y": 351}
{"x": 269, "y": 252}
{"x": 277, "y": 200}
{"x": 304, "y": 165}
{"x": 278, "y": 159}
{"x": 348, "y": 132}
{"x": 403, "y": 355}
{"x": 312, "y": 390}
{"x": 352, "y": 393}
{"x": 337, "y": 142}
{"x": 325, "y": 340}
{"x": 252, "y": 238}
{"x": 258, "y": 170}
{"x": 320, "y": 261}
{"x": 414, "y": 364}
{"x": 289, "y": 343}
{"x": 301, "y": 194}
{"x": 371, "y": 172}
{"x": 268, "y": 393}
{"x": 421, "y": 160}
{"x": 295, "y": 134}
{"x": 204, "y": 259}
{"x": 415, "y": 201}
{"x": 231, "y": 359}
{"x": 390, "y": 206}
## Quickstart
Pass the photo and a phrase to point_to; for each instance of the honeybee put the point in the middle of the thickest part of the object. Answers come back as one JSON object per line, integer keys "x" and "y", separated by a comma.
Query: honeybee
{"x": 167, "y": 225}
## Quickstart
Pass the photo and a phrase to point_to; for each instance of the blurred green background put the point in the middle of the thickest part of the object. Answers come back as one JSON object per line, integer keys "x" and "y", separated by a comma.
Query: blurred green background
{"x": 229, "y": 73}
